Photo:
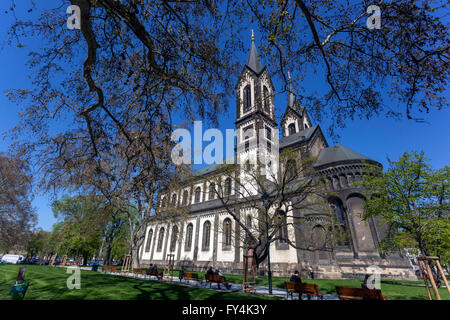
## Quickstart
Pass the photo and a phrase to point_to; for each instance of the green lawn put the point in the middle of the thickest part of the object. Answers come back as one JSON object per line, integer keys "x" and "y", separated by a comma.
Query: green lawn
{"x": 391, "y": 289}
{"x": 49, "y": 283}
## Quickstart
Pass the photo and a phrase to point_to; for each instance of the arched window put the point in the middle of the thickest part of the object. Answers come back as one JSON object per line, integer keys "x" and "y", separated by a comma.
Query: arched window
{"x": 338, "y": 208}
{"x": 291, "y": 169}
{"x": 283, "y": 231}
{"x": 163, "y": 202}
{"x": 227, "y": 232}
{"x": 189, "y": 232}
{"x": 160, "y": 240}
{"x": 319, "y": 237}
{"x": 266, "y": 100}
{"x": 247, "y": 98}
{"x": 174, "y": 199}
{"x": 173, "y": 240}
{"x": 206, "y": 235}
{"x": 185, "y": 197}
{"x": 291, "y": 128}
{"x": 149, "y": 240}
{"x": 248, "y": 222}
{"x": 198, "y": 192}
{"x": 212, "y": 191}
{"x": 227, "y": 186}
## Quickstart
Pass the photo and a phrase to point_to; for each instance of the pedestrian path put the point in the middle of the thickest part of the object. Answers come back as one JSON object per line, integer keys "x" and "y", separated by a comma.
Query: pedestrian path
{"x": 234, "y": 287}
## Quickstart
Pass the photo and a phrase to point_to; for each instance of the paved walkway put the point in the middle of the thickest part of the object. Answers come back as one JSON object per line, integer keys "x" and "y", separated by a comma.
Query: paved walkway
{"x": 233, "y": 288}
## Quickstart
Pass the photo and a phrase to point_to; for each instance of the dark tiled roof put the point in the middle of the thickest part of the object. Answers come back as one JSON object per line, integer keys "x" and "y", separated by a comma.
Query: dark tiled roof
{"x": 253, "y": 60}
{"x": 298, "y": 136}
{"x": 338, "y": 153}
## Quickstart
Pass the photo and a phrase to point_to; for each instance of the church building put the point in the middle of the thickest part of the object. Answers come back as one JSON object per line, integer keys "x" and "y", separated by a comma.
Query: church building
{"x": 208, "y": 235}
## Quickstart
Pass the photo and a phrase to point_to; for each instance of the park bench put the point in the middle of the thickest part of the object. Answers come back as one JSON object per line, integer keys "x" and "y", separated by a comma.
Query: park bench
{"x": 153, "y": 272}
{"x": 114, "y": 269}
{"x": 138, "y": 272}
{"x": 215, "y": 278}
{"x": 310, "y": 289}
{"x": 192, "y": 276}
{"x": 19, "y": 288}
{"x": 350, "y": 293}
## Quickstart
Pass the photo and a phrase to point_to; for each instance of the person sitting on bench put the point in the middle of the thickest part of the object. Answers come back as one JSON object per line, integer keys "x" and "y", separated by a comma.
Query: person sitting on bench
{"x": 227, "y": 285}
{"x": 295, "y": 277}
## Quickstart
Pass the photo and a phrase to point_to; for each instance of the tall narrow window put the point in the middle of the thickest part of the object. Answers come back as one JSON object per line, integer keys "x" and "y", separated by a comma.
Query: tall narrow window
{"x": 268, "y": 133}
{"x": 228, "y": 186}
{"x": 247, "y": 98}
{"x": 206, "y": 235}
{"x": 189, "y": 231}
{"x": 282, "y": 232}
{"x": 163, "y": 202}
{"x": 266, "y": 100}
{"x": 160, "y": 240}
{"x": 291, "y": 128}
{"x": 149, "y": 240}
{"x": 198, "y": 192}
{"x": 185, "y": 197}
{"x": 173, "y": 240}
{"x": 248, "y": 222}
{"x": 212, "y": 191}
{"x": 227, "y": 232}
{"x": 338, "y": 207}
{"x": 174, "y": 199}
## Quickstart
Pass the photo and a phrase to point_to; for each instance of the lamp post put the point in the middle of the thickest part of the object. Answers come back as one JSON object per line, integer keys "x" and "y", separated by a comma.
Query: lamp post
{"x": 265, "y": 197}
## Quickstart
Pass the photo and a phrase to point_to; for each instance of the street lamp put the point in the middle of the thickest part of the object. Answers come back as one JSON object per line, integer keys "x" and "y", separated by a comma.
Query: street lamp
{"x": 265, "y": 198}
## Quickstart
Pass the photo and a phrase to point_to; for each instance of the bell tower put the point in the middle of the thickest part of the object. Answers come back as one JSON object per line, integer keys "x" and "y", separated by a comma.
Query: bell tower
{"x": 256, "y": 129}
{"x": 295, "y": 117}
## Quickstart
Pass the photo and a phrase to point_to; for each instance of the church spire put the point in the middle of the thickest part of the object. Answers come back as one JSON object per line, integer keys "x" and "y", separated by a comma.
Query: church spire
{"x": 291, "y": 94}
{"x": 253, "y": 59}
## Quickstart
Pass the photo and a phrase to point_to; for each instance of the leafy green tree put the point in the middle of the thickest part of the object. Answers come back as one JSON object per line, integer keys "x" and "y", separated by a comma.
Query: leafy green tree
{"x": 80, "y": 230}
{"x": 17, "y": 216}
{"x": 412, "y": 199}
{"x": 39, "y": 243}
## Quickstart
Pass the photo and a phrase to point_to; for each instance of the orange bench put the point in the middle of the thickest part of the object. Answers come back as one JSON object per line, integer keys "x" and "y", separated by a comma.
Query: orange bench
{"x": 192, "y": 276}
{"x": 215, "y": 278}
{"x": 350, "y": 293}
{"x": 310, "y": 289}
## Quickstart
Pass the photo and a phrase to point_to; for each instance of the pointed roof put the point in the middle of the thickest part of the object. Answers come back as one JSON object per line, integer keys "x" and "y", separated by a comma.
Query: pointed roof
{"x": 338, "y": 153}
{"x": 253, "y": 59}
{"x": 291, "y": 94}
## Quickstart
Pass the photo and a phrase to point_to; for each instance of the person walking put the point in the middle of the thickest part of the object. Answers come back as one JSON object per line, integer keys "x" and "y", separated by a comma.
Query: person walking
{"x": 311, "y": 272}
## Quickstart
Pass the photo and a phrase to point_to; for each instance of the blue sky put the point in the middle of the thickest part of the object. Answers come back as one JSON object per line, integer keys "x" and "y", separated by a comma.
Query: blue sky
{"x": 376, "y": 138}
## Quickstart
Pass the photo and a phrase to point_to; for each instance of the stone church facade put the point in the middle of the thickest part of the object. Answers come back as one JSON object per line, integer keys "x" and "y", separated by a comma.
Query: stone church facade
{"x": 208, "y": 235}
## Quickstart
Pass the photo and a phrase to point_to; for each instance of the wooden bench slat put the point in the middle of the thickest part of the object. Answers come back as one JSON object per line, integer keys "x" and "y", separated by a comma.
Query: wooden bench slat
{"x": 350, "y": 293}
{"x": 310, "y": 289}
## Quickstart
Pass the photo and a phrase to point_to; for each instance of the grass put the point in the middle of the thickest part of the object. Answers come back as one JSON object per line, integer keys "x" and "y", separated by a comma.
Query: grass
{"x": 50, "y": 283}
{"x": 391, "y": 289}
